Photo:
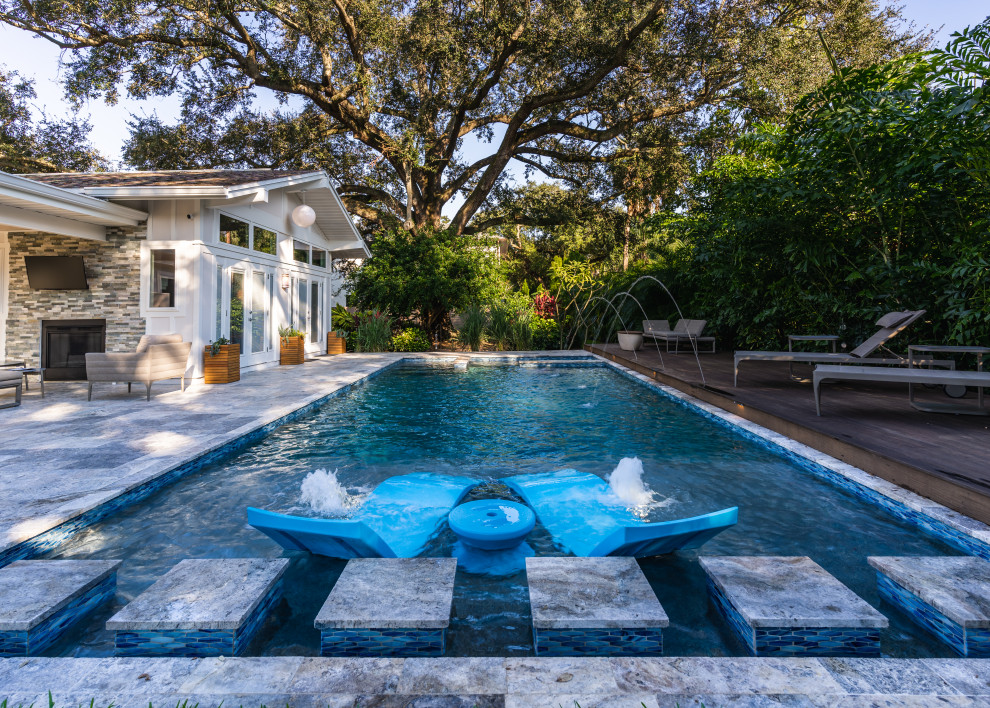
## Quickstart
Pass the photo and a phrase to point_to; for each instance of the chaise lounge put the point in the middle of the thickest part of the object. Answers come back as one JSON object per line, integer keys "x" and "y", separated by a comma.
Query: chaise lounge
{"x": 936, "y": 377}
{"x": 684, "y": 331}
{"x": 156, "y": 358}
{"x": 891, "y": 325}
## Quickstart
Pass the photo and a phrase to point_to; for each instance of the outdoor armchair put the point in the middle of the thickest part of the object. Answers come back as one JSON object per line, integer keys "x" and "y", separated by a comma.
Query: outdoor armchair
{"x": 157, "y": 357}
{"x": 11, "y": 379}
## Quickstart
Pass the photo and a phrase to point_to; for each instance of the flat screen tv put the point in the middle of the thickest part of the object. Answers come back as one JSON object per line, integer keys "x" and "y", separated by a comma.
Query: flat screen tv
{"x": 56, "y": 272}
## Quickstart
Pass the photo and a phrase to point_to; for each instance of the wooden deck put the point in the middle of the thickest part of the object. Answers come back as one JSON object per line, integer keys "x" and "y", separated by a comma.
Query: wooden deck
{"x": 872, "y": 426}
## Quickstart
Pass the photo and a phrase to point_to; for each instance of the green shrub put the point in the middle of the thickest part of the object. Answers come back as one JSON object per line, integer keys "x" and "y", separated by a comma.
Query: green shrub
{"x": 474, "y": 320}
{"x": 411, "y": 339}
{"x": 522, "y": 333}
{"x": 374, "y": 332}
{"x": 545, "y": 332}
{"x": 500, "y": 325}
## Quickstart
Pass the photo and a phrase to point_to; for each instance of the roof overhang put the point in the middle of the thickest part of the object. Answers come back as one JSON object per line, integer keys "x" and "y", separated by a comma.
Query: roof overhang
{"x": 26, "y": 205}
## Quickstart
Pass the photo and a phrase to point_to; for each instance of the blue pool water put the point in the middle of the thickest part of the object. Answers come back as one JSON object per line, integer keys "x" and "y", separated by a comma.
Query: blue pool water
{"x": 489, "y": 423}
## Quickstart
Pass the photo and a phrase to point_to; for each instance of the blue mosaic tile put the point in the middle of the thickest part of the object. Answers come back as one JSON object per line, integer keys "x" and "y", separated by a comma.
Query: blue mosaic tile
{"x": 598, "y": 642}
{"x": 33, "y": 642}
{"x": 391, "y": 642}
{"x": 197, "y": 642}
{"x": 55, "y": 537}
{"x": 796, "y": 641}
{"x": 970, "y": 642}
{"x": 940, "y": 530}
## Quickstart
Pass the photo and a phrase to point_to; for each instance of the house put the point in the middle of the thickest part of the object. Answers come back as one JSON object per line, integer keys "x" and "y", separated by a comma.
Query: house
{"x": 205, "y": 253}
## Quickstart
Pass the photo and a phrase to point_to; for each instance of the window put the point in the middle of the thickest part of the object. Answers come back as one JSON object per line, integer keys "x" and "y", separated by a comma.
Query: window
{"x": 315, "y": 310}
{"x": 319, "y": 258}
{"x": 300, "y": 251}
{"x": 162, "y": 277}
{"x": 234, "y": 231}
{"x": 264, "y": 240}
{"x": 302, "y": 286}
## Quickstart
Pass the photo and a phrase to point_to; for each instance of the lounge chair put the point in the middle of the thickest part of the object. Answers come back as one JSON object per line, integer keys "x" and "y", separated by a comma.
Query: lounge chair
{"x": 891, "y": 325}
{"x": 157, "y": 357}
{"x": 11, "y": 379}
{"x": 684, "y": 331}
{"x": 586, "y": 518}
{"x": 395, "y": 521}
{"x": 938, "y": 377}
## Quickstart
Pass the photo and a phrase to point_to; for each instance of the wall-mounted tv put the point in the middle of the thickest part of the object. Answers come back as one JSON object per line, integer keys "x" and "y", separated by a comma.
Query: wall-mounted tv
{"x": 56, "y": 272}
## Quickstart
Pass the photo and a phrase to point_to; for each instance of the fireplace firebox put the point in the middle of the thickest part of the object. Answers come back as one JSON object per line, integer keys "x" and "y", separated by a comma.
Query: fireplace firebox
{"x": 65, "y": 343}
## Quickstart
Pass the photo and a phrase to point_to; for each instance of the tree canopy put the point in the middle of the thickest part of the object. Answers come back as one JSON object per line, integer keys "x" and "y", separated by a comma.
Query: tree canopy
{"x": 385, "y": 94}
{"x": 46, "y": 145}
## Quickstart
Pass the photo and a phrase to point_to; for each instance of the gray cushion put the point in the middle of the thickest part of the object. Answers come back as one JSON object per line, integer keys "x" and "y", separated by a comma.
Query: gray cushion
{"x": 149, "y": 339}
{"x": 10, "y": 375}
{"x": 892, "y": 320}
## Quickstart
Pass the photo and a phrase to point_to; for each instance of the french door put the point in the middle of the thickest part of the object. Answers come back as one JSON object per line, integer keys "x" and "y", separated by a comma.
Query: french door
{"x": 244, "y": 309}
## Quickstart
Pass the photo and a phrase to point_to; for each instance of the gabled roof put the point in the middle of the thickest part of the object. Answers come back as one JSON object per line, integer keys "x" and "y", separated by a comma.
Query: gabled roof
{"x": 163, "y": 178}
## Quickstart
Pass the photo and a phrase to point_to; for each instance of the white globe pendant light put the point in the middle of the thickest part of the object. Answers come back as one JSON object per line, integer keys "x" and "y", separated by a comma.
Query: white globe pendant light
{"x": 303, "y": 216}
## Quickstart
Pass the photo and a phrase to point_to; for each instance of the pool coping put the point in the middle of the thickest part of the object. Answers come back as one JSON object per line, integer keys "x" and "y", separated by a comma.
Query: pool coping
{"x": 956, "y": 529}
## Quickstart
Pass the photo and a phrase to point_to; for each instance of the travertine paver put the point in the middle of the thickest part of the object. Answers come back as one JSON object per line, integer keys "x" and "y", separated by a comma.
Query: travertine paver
{"x": 495, "y": 681}
{"x": 947, "y": 595}
{"x": 201, "y": 607}
{"x": 354, "y": 621}
{"x": 593, "y": 607}
{"x": 42, "y": 599}
{"x": 782, "y": 605}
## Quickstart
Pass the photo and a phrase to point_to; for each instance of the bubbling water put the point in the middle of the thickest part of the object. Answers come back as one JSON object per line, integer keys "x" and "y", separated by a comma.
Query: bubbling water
{"x": 626, "y": 482}
{"x": 326, "y": 496}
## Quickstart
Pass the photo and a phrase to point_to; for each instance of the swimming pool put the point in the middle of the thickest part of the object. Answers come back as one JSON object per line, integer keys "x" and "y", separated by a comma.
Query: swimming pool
{"x": 488, "y": 423}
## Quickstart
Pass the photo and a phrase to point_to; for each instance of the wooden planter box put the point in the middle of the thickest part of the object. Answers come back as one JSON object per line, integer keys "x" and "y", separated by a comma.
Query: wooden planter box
{"x": 292, "y": 353}
{"x": 223, "y": 368}
{"x": 335, "y": 344}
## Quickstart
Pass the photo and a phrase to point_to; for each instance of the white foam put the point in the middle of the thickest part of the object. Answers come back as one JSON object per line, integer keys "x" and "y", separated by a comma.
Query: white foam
{"x": 626, "y": 483}
{"x": 326, "y": 496}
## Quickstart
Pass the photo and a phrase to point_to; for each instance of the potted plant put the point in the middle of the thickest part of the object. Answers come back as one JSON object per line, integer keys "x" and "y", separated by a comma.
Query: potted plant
{"x": 630, "y": 341}
{"x": 292, "y": 346}
{"x": 336, "y": 342}
{"x": 221, "y": 362}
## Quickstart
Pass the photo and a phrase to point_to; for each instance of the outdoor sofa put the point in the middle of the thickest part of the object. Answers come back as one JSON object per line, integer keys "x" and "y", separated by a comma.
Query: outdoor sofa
{"x": 157, "y": 357}
{"x": 891, "y": 325}
{"x": 684, "y": 331}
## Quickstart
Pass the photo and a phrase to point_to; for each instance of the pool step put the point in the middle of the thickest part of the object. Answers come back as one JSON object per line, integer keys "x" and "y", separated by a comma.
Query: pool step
{"x": 593, "y": 607}
{"x": 947, "y": 595}
{"x": 201, "y": 607}
{"x": 790, "y": 606}
{"x": 584, "y": 362}
{"x": 388, "y": 607}
{"x": 41, "y": 599}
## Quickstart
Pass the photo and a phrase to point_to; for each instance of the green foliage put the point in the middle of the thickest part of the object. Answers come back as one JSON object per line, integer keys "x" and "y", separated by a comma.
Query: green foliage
{"x": 501, "y": 320}
{"x": 287, "y": 333}
{"x": 49, "y": 145}
{"x": 522, "y": 332}
{"x": 425, "y": 276}
{"x": 341, "y": 319}
{"x": 411, "y": 339}
{"x": 545, "y": 332}
{"x": 215, "y": 345}
{"x": 373, "y": 332}
{"x": 474, "y": 321}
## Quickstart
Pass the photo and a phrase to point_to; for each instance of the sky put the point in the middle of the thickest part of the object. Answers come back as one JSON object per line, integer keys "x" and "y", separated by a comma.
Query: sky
{"x": 38, "y": 59}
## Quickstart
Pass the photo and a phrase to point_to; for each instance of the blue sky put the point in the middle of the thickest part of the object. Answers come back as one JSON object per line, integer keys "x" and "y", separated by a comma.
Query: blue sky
{"x": 110, "y": 122}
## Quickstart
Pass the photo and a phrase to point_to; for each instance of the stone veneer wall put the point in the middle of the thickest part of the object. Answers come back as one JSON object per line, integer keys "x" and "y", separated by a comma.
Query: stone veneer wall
{"x": 113, "y": 269}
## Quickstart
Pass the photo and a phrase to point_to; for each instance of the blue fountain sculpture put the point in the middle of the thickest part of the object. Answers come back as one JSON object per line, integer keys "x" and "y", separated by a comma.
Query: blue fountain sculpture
{"x": 397, "y": 520}
{"x": 586, "y": 518}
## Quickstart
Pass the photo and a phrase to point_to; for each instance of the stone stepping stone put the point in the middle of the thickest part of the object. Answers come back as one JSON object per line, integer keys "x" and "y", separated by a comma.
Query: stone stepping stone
{"x": 593, "y": 607}
{"x": 201, "y": 607}
{"x": 791, "y": 606}
{"x": 41, "y": 599}
{"x": 949, "y": 596}
{"x": 396, "y": 607}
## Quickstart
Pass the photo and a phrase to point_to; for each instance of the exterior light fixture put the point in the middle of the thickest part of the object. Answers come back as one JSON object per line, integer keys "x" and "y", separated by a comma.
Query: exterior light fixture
{"x": 286, "y": 281}
{"x": 303, "y": 215}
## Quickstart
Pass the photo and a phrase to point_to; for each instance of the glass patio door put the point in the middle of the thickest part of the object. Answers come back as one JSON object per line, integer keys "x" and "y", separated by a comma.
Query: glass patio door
{"x": 244, "y": 309}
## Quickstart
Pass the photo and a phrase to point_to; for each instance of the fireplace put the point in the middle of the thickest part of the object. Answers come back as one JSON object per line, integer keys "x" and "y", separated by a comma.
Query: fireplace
{"x": 65, "y": 343}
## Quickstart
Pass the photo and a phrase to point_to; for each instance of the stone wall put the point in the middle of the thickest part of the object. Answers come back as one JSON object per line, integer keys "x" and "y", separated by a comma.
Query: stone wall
{"x": 113, "y": 269}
